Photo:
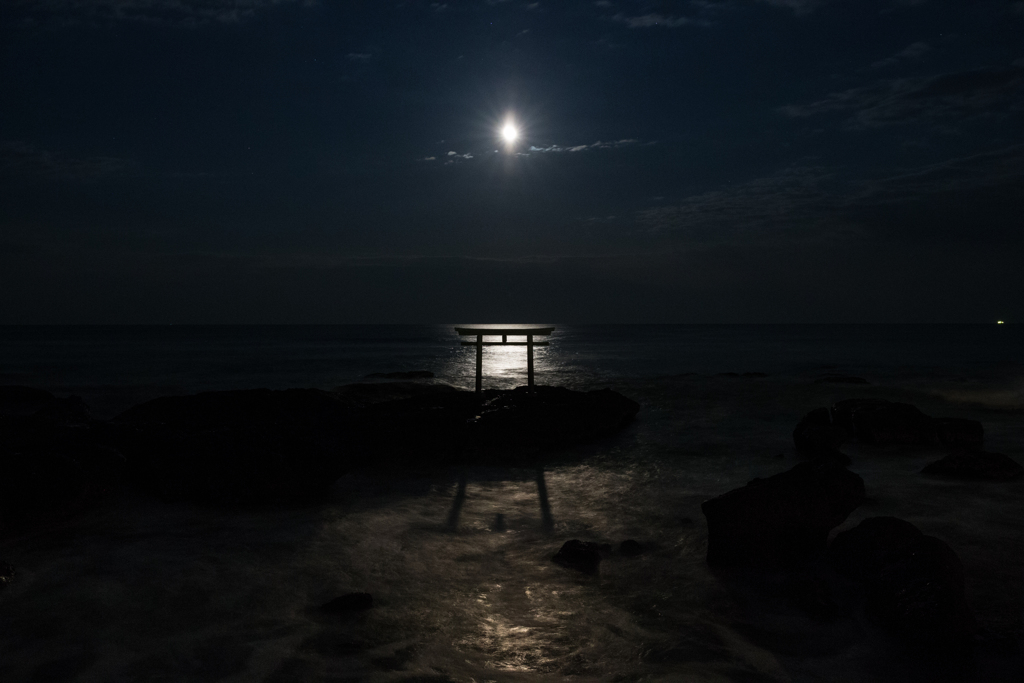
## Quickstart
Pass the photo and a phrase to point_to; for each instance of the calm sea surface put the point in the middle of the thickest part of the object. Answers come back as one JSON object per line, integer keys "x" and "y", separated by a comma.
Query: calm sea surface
{"x": 112, "y": 367}
{"x": 458, "y": 561}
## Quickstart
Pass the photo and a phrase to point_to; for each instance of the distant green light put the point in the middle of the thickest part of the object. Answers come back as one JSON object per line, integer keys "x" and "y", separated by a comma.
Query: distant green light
{"x": 1000, "y": 322}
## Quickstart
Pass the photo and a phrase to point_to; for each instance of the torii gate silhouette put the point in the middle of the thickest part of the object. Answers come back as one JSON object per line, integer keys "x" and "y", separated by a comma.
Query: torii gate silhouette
{"x": 505, "y": 332}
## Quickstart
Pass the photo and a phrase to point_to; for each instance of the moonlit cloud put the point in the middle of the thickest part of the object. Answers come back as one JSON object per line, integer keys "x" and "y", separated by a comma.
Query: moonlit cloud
{"x": 658, "y": 20}
{"x": 582, "y": 148}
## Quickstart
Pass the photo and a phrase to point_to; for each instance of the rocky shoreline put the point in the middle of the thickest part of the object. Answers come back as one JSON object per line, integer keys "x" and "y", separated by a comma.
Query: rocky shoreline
{"x": 261, "y": 446}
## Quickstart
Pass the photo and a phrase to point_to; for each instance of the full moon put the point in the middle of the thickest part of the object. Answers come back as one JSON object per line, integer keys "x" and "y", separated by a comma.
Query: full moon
{"x": 509, "y": 132}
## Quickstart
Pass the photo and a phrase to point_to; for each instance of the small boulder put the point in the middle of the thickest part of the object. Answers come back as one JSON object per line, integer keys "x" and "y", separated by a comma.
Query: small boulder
{"x": 630, "y": 548}
{"x": 781, "y": 520}
{"x": 955, "y": 432}
{"x": 350, "y": 602}
{"x": 976, "y": 465}
{"x": 915, "y": 583}
{"x": 583, "y": 556}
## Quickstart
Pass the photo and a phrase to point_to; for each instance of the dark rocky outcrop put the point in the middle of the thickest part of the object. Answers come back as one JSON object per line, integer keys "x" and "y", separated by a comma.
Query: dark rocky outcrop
{"x": 406, "y": 374}
{"x": 263, "y": 446}
{"x": 815, "y": 434}
{"x": 781, "y": 520}
{"x": 840, "y": 379}
{"x": 955, "y": 432}
{"x": 54, "y": 459}
{"x": 914, "y": 583}
{"x": 241, "y": 446}
{"x": 630, "y": 548}
{"x": 880, "y": 422}
{"x": 350, "y": 602}
{"x": 966, "y": 464}
{"x": 582, "y": 556}
{"x": 19, "y": 400}
{"x": 550, "y": 417}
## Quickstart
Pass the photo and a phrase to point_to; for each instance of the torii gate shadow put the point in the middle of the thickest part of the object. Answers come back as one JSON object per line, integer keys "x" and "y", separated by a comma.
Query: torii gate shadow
{"x": 547, "y": 520}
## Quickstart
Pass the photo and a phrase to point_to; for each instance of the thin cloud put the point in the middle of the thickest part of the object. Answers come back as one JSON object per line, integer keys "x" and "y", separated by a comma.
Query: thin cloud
{"x": 23, "y": 160}
{"x": 914, "y": 51}
{"x": 184, "y": 12}
{"x": 798, "y": 6}
{"x": 658, "y": 20}
{"x": 958, "y": 95}
{"x": 974, "y": 198}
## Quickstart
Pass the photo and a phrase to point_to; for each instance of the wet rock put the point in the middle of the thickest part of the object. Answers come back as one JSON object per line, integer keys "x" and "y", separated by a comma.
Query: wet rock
{"x": 407, "y": 374}
{"x": 810, "y": 593}
{"x": 781, "y": 520}
{"x": 19, "y": 400}
{"x": 840, "y": 379}
{"x": 877, "y": 542}
{"x": 53, "y": 462}
{"x": 843, "y": 411}
{"x": 816, "y": 434}
{"x": 630, "y": 548}
{"x": 914, "y": 583}
{"x": 880, "y": 422}
{"x": 550, "y": 417}
{"x": 70, "y": 411}
{"x": 6, "y": 574}
{"x": 362, "y": 395}
{"x": 350, "y": 602}
{"x": 833, "y": 456}
{"x": 252, "y": 446}
{"x": 261, "y": 446}
{"x": 957, "y": 432}
{"x": 582, "y": 556}
{"x": 976, "y": 465}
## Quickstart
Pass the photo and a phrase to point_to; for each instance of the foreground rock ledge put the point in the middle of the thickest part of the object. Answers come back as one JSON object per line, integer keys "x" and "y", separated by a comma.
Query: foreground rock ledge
{"x": 259, "y": 446}
{"x": 914, "y": 583}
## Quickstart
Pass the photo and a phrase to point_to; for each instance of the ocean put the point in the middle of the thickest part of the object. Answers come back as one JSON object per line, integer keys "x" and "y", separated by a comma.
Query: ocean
{"x": 458, "y": 560}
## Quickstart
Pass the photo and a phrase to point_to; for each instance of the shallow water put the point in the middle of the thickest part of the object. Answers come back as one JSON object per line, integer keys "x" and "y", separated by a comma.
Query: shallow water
{"x": 458, "y": 561}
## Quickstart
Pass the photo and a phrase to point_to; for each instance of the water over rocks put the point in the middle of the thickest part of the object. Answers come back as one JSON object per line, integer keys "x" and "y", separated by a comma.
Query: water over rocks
{"x": 966, "y": 464}
{"x": 880, "y": 422}
{"x": 782, "y": 520}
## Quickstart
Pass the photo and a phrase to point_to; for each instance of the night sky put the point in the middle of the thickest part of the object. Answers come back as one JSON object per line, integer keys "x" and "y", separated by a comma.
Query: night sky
{"x": 311, "y": 161}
